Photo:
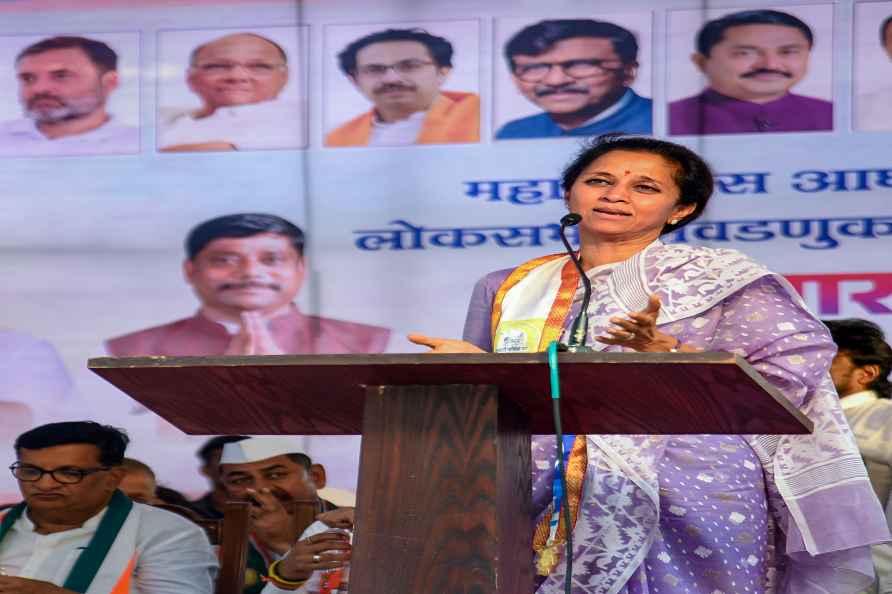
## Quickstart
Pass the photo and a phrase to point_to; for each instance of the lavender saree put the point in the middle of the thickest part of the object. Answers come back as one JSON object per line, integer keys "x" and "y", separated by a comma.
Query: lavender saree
{"x": 709, "y": 514}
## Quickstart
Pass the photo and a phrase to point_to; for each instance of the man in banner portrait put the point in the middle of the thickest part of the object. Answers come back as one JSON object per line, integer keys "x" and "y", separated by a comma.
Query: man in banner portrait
{"x": 402, "y": 72}
{"x": 752, "y": 59}
{"x": 580, "y": 73}
{"x": 34, "y": 385}
{"x": 247, "y": 269}
{"x": 872, "y": 111}
{"x": 64, "y": 87}
{"x": 239, "y": 78}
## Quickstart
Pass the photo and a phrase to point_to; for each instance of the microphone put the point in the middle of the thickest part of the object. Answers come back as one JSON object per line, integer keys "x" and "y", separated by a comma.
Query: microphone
{"x": 579, "y": 330}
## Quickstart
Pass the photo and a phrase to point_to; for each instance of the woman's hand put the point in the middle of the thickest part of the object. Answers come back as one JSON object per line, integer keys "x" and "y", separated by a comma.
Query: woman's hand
{"x": 639, "y": 331}
{"x": 320, "y": 552}
{"x": 444, "y": 345}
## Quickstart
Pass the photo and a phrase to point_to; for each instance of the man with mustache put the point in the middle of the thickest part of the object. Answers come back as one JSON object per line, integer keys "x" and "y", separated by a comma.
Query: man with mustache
{"x": 579, "y": 71}
{"x": 401, "y": 71}
{"x": 247, "y": 269}
{"x": 752, "y": 59}
{"x": 64, "y": 87}
{"x": 239, "y": 78}
{"x": 271, "y": 472}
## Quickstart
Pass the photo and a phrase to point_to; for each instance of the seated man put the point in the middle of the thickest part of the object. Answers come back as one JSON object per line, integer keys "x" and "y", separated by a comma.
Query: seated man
{"x": 76, "y": 532}
{"x": 860, "y": 372}
{"x": 402, "y": 72}
{"x": 239, "y": 78}
{"x": 138, "y": 482}
{"x": 272, "y": 472}
{"x": 247, "y": 269}
{"x": 210, "y": 506}
{"x": 752, "y": 59}
{"x": 579, "y": 72}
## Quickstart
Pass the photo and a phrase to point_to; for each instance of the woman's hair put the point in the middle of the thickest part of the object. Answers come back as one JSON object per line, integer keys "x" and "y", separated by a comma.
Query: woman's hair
{"x": 692, "y": 174}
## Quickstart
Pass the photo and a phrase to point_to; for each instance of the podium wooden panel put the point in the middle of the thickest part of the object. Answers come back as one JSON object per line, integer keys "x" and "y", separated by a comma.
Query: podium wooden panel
{"x": 444, "y": 486}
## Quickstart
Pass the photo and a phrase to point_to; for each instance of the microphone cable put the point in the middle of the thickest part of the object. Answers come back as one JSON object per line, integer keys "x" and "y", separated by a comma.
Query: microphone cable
{"x": 561, "y": 471}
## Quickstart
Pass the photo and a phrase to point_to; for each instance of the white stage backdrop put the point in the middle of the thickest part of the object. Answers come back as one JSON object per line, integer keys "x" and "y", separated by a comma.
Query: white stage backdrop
{"x": 91, "y": 245}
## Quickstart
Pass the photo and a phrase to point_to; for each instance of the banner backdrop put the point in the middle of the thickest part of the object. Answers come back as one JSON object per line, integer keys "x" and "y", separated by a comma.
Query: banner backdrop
{"x": 397, "y": 231}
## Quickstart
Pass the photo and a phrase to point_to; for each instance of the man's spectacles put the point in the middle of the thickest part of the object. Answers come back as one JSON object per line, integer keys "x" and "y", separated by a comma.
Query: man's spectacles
{"x": 573, "y": 68}
{"x": 402, "y": 67}
{"x": 259, "y": 69}
{"x": 67, "y": 475}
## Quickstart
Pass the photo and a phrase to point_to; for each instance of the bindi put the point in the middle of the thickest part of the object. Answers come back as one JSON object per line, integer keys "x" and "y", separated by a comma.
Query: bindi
{"x": 628, "y": 172}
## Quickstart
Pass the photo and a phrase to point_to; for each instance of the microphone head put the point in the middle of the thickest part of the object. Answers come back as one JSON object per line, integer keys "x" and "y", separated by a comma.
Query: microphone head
{"x": 570, "y": 219}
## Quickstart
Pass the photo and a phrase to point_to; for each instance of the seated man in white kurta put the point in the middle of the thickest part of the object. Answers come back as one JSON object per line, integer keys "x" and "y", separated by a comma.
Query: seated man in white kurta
{"x": 76, "y": 532}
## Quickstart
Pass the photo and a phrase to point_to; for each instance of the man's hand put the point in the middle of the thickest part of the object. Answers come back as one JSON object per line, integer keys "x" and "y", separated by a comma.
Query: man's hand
{"x": 327, "y": 550}
{"x": 254, "y": 338}
{"x": 338, "y": 518}
{"x": 270, "y": 521}
{"x": 444, "y": 345}
{"x": 18, "y": 585}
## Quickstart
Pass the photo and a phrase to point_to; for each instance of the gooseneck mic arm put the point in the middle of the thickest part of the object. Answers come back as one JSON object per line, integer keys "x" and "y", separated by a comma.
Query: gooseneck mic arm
{"x": 579, "y": 331}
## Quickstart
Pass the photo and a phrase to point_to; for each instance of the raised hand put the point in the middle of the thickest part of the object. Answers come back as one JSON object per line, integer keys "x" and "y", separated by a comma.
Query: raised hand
{"x": 444, "y": 345}
{"x": 270, "y": 520}
{"x": 639, "y": 331}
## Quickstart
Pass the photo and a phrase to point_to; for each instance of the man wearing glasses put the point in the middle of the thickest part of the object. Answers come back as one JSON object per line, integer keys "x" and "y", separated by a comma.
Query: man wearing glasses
{"x": 579, "y": 71}
{"x": 239, "y": 78}
{"x": 76, "y": 532}
{"x": 401, "y": 71}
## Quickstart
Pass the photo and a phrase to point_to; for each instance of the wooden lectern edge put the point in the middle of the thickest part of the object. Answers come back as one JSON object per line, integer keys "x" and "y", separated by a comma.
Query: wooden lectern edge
{"x": 405, "y": 358}
{"x": 720, "y": 357}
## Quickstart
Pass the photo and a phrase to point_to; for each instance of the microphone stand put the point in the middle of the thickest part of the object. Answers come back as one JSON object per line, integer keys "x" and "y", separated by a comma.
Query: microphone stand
{"x": 579, "y": 329}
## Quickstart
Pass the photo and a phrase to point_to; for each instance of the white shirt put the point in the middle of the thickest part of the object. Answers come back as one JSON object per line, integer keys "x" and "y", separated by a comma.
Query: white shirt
{"x": 856, "y": 399}
{"x": 174, "y": 554}
{"x": 22, "y": 138}
{"x": 399, "y": 133}
{"x": 266, "y": 125}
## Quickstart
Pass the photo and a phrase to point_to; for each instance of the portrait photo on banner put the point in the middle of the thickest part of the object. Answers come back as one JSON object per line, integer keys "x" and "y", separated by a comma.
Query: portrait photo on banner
{"x": 231, "y": 89}
{"x": 872, "y": 67}
{"x": 750, "y": 70}
{"x": 400, "y": 84}
{"x": 561, "y": 75}
{"x": 69, "y": 94}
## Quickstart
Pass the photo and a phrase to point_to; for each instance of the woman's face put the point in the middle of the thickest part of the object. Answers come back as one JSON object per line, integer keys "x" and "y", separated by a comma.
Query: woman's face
{"x": 626, "y": 195}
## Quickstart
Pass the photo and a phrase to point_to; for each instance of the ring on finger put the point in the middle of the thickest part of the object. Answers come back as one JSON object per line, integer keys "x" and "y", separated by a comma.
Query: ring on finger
{"x": 316, "y": 558}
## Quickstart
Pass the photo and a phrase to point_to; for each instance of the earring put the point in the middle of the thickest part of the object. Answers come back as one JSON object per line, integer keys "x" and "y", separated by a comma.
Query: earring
{"x": 673, "y": 222}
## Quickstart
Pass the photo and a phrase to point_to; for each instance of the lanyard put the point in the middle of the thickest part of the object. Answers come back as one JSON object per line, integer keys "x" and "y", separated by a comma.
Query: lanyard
{"x": 558, "y": 491}
{"x": 90, "y": 560}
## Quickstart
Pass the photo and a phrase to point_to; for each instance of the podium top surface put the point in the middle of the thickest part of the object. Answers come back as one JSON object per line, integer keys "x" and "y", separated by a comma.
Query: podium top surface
{"x": 608, "y": 393}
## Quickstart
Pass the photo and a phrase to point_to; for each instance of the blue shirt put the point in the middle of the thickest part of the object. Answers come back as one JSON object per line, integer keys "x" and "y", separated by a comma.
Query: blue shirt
{"x": 635, "y": 117}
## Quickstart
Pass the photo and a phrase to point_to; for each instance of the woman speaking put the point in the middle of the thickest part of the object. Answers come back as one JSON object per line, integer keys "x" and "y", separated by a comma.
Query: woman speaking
{"x": 701, "y": 514}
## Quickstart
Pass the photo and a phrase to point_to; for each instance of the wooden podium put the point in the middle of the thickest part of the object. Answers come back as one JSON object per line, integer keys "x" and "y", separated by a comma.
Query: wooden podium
{"x": 444, "y": 483}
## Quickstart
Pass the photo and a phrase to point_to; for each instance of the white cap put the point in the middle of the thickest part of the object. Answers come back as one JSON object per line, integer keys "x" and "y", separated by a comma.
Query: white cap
{"x": 255, "y": 449}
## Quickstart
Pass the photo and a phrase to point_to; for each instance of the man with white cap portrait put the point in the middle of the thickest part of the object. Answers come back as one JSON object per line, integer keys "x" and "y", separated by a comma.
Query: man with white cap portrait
{"x": 272, "y": 472}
